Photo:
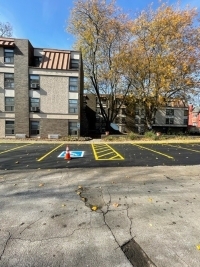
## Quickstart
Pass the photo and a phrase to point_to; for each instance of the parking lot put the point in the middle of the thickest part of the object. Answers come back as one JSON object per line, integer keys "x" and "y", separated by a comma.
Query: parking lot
{"x": 14, "y": 156}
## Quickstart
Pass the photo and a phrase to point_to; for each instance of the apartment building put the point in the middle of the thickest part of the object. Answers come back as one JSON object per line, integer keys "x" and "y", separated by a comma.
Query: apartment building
{"x": 171, "y": 118}
{"x": 194, "y": 119}
{"x": 96, "y": 123}
{"x": 41, "y": 90}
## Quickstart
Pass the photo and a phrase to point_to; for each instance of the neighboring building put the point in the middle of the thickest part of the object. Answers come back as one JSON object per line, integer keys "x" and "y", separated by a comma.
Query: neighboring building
{"x": 172, "y": 118}
{"x": 96, "y": 124}
{"x": 169, "y": 119}
{"x": 194, "y": 119}
{"x": 41, "y": 90}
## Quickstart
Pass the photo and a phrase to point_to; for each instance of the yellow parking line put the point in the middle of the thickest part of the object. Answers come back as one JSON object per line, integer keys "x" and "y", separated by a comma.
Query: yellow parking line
{"x": 165, "y": 155}
{"x": 198, "y": 151}
{"x": 94, "y": 151}
{"x": 114, "y": 157}
{"x": 14, "y": 148}
{"x": 49, "y": 152}
{"x": 103, "y": 148}
{"x": 115, "y": 151}
{"x": 105, "y": 154}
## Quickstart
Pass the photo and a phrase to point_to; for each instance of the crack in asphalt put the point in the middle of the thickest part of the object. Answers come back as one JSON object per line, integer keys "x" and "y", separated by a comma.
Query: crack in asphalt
{"x": 6, "y": 243}
{"x": 133, "y": 252}
{"x": 104, "y": 218}
{"x": 30, "y": 225}
{"x": 56, "y": 237}
{"x": 130, "y": 227}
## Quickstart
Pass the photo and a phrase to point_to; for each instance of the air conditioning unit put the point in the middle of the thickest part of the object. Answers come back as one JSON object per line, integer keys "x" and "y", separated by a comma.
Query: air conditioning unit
{"x": 35, "y": 109}
{"x": 34, "y": 85}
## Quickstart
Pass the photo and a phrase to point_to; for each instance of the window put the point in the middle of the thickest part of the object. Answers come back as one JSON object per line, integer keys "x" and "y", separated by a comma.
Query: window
{"x": 9, "y": 103}
{"x": 34, "y": 81}
{"x": 73, "y": 129}
{"x": 142, "y": 121}
{"x": 74, "y": 63}
{"x": 185, "y": 112}
{"x": 73, "y": 84}
{"x": 34, "y": 104}
{"x": 9, "y": 56}
{"x": 34, "y": 127}
{"x": 185, "y": 121}
{"x": 136, "y": 120}
{"x": 8, "y": 80}
{"x": 169, "y": 121}
{"x": 169, "y": 112}
{"x": 123, "y": 111}
{"x": 9, "y": 127}
{"x": 142, "y": 112}
{"x": 73, "y": 106}
{"x": 37, "y": 61}
{"x": 123, "y": 120}
{"x": 137, "y": 111}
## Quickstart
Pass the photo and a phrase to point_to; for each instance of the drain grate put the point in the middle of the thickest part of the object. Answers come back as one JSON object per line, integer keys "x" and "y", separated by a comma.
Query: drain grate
{"x": 136, "y": 255}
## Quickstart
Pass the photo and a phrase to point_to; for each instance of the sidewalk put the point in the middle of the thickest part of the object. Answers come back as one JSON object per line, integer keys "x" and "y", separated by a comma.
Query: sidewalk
{"x": 73, "y": 218}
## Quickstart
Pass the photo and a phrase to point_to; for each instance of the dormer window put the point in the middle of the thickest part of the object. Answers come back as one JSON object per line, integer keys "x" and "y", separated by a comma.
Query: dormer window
{"x": 9, "y": 56}
{"x": 74, "y": 64}
{"x": 37, "y": 61}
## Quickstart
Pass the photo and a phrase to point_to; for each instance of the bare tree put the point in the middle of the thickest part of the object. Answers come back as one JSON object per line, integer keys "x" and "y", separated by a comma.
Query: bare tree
{"x": 5, "y": 29}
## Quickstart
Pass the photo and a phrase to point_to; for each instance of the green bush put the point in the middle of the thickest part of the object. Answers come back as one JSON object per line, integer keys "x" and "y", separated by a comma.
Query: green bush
{"x": 132, "y": 136}
{"x": 150, "y": 135}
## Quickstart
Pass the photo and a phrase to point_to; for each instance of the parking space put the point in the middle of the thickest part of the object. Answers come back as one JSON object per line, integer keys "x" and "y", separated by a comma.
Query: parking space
{"x": 105, "y": 152}
{"x": 47, "y": 156}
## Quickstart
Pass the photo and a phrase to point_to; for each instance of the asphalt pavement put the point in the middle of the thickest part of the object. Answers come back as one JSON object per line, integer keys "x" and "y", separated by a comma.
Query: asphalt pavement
{"x": 99, "y": 217}
{"x": 20, "y": 156}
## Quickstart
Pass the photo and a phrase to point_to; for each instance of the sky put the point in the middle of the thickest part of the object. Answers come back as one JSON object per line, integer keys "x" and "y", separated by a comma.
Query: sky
{"x": 44, "y": 22}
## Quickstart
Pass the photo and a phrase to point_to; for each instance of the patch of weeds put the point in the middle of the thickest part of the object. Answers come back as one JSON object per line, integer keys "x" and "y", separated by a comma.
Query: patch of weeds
{"x": 132, "y": 136}
{"x": 150, "y": 135}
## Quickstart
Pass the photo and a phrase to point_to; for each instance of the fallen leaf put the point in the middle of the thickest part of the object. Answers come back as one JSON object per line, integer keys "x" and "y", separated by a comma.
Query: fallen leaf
{"x": 198, "y": 246}
{"x": 115, "y": 205}
{"x": 94, "y": 208}
{"x": 150, "y": 199}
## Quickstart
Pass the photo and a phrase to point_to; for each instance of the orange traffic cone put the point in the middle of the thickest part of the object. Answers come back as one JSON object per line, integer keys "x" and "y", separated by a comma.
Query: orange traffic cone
{"x": 67, "y": 154}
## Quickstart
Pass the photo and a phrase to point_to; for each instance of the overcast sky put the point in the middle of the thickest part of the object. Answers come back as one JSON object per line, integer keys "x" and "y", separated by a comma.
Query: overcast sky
{"x": 43, "y": 22}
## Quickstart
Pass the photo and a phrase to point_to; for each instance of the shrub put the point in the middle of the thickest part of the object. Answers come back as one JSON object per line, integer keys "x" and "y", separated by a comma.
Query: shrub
{"x": 150, "y": 135}
{"x": 132, "y": 136}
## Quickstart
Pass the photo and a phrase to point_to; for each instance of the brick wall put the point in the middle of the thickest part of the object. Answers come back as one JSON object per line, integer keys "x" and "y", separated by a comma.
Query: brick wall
{"x": 21, "y": 77}
{"x": 53, "y": 126}
{"x": 2, "y": 109}
{"x": 91, "y": 111}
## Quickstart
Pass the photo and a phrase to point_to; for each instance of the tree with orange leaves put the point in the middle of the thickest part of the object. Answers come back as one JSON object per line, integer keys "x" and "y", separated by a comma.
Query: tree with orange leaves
{"x": 162, "y": 60}
{"x": 102, "y": 33}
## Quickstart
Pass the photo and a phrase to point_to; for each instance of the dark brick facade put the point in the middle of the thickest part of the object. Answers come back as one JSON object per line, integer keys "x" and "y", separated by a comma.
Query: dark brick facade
{"x": 91, "y": 111}
{"x": 53, "y": 126}
{"x": 21, "y": 78}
